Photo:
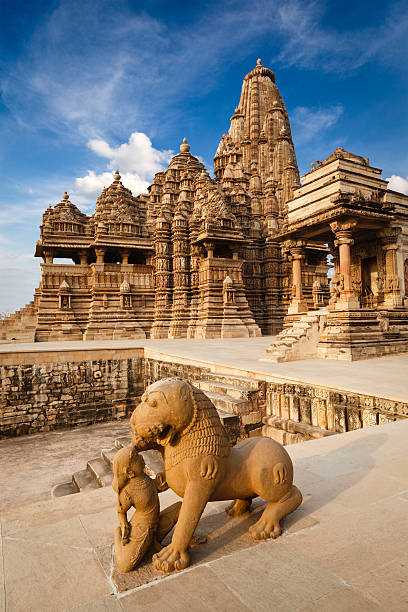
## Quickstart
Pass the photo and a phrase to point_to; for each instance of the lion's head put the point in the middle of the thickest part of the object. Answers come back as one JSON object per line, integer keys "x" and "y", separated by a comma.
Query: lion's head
{"x": 173, "y": 413}
{"x": 166, "y": 410}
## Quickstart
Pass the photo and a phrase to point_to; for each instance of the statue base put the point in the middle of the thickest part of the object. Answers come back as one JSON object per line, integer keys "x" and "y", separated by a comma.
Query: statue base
{"x": 224, "y": 534}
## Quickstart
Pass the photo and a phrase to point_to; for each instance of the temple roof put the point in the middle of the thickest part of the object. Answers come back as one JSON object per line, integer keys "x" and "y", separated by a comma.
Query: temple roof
{"x": 116, "y": 203}
{"x": 260, "y": 70}
{"x": 64, "y": 211}
{"x": 185, "y": 160}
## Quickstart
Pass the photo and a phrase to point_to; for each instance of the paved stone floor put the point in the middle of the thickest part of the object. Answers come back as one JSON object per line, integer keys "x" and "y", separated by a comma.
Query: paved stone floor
{"x": 384, "y": 377}
{"x": 346, "y": 548}
{"x": 45, "y": 460}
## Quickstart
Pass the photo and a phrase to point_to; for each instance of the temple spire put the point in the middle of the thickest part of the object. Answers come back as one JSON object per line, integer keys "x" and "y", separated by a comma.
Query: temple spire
{"x": 260, "y": 132}
{"x": 185, "y": 147}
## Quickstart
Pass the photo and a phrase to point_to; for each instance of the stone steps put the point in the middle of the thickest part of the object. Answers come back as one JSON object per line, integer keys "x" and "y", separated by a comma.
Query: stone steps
{"x": 299, "y": 341}
{"x": 235, "y": 381}
{"x": 228, "y": 404}
{"x": 101, "y": 472}
{"x": 232, "y": 397}
{"x": 222, "y": 388}
{"x": 83, "y": 481}
{"x": 286, "y": 431}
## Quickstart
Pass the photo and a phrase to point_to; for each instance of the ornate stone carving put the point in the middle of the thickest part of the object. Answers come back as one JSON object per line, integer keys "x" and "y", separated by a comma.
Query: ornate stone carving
{"x": 148, "y": 526}
{"x": 200, "y": 465}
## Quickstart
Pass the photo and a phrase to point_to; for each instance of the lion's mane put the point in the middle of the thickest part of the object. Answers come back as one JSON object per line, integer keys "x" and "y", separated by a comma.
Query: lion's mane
{"x": 205, "y": 435}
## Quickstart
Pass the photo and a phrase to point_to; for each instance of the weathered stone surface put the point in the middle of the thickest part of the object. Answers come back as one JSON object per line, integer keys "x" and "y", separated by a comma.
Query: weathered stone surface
{"x": 53, "y": 395}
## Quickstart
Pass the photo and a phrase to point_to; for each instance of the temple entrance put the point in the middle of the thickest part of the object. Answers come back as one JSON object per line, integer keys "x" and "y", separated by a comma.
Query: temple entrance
{"x": 369, "y": 277}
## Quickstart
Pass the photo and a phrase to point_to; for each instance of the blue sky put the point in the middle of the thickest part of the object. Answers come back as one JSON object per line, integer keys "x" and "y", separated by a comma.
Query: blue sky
{"x": 86, "y": 86}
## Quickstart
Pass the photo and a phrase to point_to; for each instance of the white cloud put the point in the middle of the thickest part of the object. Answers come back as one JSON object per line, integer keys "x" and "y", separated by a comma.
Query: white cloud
{"x": 136, "y": 155}
{"x": 137, "y": 161}
{"x": 308, "y": 123}
{"x": 398, "y": 183}
{"x": 92, "y": 184}
{"x": 307, "y": 43}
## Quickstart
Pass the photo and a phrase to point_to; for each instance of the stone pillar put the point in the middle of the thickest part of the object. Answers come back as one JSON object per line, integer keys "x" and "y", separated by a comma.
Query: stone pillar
{"x": 83, "y": 257}
{"x": 100, "y": 254}
{"x": 180, "y": 314}
{"x": 343, "y": 231}
{"x": 298, "y": 304}
{"x": 49, "y": 256}
{"x": 163, "y": 291}
{"x": 210, "y": 246}
{"x": 125, "y": 257}
{"x": 392, "y": 291}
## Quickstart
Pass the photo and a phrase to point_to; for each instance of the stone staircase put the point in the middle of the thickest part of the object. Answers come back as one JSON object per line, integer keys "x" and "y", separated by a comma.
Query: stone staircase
{"x": 19, "y": 326}
{"x": 287, "y": 431}
{"x": 233, "y": 395}
{"x": 299, "y": 340}
{"x": 98, "y": 472}
{"x": 236, "y": 401}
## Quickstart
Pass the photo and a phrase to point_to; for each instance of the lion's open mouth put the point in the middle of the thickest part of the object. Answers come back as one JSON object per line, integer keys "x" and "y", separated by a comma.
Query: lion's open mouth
{"x": 165, "y": 436}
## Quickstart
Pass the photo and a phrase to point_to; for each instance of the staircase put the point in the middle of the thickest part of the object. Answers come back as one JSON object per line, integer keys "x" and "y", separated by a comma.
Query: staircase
{"x": 19, "y": 326}
{"x": 299, "y": 341}
{"x": 235, "y": 398}
{"x": 231, "y": 395}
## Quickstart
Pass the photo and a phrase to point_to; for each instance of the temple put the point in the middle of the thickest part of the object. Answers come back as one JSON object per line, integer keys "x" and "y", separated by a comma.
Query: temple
{"x": 239, "y": 255}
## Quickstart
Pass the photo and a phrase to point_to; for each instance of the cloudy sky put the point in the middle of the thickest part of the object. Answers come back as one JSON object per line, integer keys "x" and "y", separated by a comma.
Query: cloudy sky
{"x": 88, "y": 86}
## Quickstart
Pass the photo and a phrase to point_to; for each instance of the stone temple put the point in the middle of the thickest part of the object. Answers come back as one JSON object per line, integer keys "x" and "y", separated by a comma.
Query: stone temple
{"x": 240, "y": 262}
{"x": 239, "y": 255}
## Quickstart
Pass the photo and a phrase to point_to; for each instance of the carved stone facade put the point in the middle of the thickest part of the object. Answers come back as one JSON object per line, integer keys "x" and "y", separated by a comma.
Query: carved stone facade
{"x": 156, "y": 265}
{"x": 344, "y": 202}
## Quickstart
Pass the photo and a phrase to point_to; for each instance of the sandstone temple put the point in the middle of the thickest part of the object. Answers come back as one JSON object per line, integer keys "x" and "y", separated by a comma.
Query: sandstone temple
{"x": 240, "y": 255}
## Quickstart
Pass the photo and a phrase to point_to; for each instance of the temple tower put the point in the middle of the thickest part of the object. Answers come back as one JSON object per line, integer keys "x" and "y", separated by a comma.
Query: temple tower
{"x": 259, "y": 137}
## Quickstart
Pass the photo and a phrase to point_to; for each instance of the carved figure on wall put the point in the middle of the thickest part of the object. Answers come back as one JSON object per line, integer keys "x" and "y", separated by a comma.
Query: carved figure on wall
{"x": 406, "y": 276}
{"x": 148, "y": 526}
{"x": 64, "y": 301}
{"x": 383, "y": 322}
{"x": 336, "y": 285}
{"x": 201, "y": 466}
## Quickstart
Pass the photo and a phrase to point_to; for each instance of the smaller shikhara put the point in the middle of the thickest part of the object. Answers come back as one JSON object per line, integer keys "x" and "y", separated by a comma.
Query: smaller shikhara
{"x": 200, "y": 466}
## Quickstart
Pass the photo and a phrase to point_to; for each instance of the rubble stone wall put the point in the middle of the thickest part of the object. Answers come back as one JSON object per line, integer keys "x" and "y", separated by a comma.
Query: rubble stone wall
{"x": 42, "y": 397}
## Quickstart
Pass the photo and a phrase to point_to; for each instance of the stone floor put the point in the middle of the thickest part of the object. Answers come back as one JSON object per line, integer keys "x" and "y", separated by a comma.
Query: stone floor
{"x": 344, "y": 549}
{"x": 384, "y": 377}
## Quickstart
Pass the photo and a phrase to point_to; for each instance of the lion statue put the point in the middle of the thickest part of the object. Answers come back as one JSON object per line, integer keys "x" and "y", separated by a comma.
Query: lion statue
{"x": 201, "y": 466}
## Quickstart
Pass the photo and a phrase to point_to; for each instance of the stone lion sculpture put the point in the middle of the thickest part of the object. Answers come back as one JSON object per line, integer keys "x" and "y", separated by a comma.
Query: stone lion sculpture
{"x": 201, "y": 466}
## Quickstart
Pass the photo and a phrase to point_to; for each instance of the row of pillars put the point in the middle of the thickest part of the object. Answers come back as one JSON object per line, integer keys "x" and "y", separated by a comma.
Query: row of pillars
{"x": 347, "y": 298}
{"x": 83, "y": 256}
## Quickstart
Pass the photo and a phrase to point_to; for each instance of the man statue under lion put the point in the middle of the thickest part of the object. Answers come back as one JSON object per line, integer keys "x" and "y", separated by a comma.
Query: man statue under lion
{"x": 201, "y": 466}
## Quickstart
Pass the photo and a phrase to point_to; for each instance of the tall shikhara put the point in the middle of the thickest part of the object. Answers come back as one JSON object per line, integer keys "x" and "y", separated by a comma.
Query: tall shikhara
{"x": 260, "y": 139}
{"x": 194, "y": 257}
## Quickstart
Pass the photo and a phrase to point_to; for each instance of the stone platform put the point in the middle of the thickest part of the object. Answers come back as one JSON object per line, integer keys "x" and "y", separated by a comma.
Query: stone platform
{"x": 344, "y": 549}
{"x": 383, "y": 377}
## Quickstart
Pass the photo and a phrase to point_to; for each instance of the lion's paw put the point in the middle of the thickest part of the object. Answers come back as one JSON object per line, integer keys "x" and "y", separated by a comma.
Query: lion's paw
{"x": 169, "y": 559}
{"x": 239, "y": 507}
{"x": 264, "y": 530}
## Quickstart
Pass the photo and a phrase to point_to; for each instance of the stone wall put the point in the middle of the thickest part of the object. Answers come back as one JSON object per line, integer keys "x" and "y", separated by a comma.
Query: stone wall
{"x": 62, "y": 390}
{"x": 298, "y": 412}
{"x": 42, "y": 397}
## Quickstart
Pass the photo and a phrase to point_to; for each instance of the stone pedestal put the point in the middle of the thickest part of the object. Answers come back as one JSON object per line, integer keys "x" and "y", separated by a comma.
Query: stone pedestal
{"x": 364, "y": 333}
